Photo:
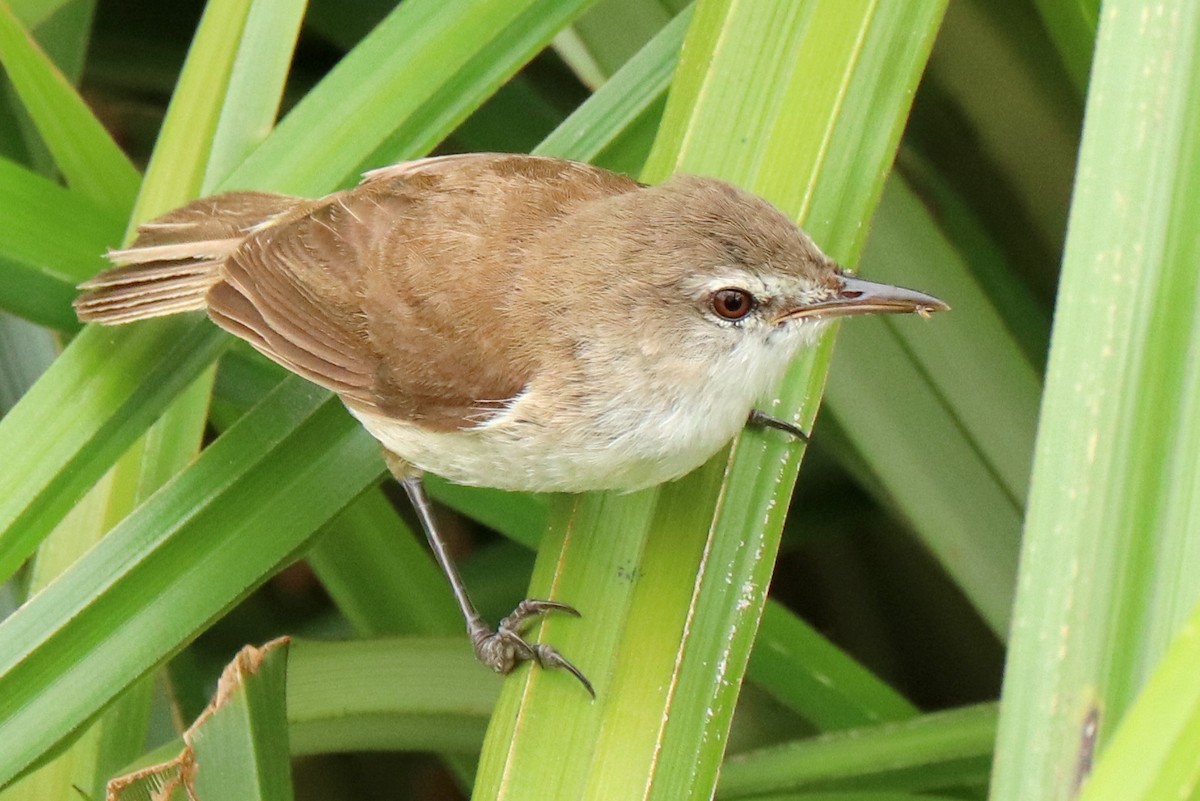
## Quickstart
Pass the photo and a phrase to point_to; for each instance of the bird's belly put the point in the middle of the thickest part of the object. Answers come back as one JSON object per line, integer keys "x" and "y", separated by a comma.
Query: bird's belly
{"x": 531, "y": 459}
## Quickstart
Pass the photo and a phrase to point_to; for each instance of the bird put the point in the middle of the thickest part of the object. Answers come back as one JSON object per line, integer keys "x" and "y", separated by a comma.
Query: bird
{"x": 509, "y": 321}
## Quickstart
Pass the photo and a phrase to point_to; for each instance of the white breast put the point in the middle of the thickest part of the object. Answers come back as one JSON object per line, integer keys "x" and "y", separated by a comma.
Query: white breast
{"x": 649, "y": 427}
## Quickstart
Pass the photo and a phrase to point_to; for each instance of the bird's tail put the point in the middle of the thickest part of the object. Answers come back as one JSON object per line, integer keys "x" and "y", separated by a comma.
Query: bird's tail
{"x": 176, "y": 258}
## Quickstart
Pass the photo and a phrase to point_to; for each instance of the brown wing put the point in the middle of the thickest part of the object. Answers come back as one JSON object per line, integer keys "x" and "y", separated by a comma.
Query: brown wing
{"x": 396, "y": 294}
{"x": 289, "y": 290}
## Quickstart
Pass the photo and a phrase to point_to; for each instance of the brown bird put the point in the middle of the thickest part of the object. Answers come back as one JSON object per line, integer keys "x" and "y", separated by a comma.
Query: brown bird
{"x": 508, "y": 321}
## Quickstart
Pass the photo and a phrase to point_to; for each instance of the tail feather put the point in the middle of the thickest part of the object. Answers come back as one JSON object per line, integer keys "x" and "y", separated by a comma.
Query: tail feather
{"x": 176, "y": 258}
{"x": 194, "y": 250}
{"x": 144, "y": 272}
{"x": 123, "y": 300}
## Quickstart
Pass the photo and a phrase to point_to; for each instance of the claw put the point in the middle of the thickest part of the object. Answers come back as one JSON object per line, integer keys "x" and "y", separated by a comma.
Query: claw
{"x": 549, "y": 657}
{"x": 531, "y": 608}
{"x": 759, "y": 418}
{"x": 503, "y": 649}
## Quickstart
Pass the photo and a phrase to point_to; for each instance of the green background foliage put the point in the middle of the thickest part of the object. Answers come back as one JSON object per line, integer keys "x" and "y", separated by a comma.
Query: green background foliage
{"x": 983, "y": 577}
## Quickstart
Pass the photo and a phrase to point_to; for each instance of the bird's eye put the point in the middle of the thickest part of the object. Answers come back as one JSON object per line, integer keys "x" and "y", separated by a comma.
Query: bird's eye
{"x": 732, "y": 304}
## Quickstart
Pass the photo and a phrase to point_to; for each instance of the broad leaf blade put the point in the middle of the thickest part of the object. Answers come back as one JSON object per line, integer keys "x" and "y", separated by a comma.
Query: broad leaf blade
{"x": 949, "y": 749}
{"x": 1109, "y": 565}
{"x": 1155, "y": 751}
{"x": 83, "y": 150}
{"x": 250, "y": 500}
{"x": 365, "y": 111}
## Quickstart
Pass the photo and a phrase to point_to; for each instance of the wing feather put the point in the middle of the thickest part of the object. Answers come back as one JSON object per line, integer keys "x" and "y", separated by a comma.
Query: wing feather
{"x": 395, "y": 294}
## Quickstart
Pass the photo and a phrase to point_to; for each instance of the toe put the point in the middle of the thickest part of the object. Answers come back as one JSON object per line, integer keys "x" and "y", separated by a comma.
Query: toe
{"x": 503, "y": 650}
{"x": 549, "y": 657}
{"x": 534, "y": 606}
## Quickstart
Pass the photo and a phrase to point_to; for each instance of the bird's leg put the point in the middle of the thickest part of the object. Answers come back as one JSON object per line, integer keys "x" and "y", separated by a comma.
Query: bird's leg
{"x": 764, "y": 420}
{"x": 504, "y": 647}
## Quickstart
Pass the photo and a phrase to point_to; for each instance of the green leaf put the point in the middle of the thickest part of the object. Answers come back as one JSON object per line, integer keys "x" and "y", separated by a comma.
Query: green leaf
{"x": 83, "y": 150}
{"x": 411, "y": 694}
{"x": 238, "y": 747}
{"x": 225, "y": 102}
{"x": 1109, "y": 564}
{"x": 53, "y": 457}
{"x": 256, "y": 82}
{"x": 854, "y": 795}
{"x": 939, "y": 750}
{"x": 668, "y": 645}
{"x": 1018, "y": 184}
{"x": 170, "y": 443}
{"x": 605, "y": 38}
{"x": 241, "y": 748}
{"x": 63, "y": 36}
{"x": 368, "y": 110}
{"x": 1072, "y": 26}
{"x": 35, "y": 209}
{"x": 162, "y": 357}
{"x": 52, "y": 238}
{"x": 120, "y": 732}
{"x": 33, "y": 13}
{"x": 816, "y": 679}
{"x": 392, "y": 694}
{"x": 635, "y": 90}
{"x": 977, "y": 401}
{"x": 197, "y": 546}
{"x": 380, "y": 576}
{"x": 1155, "y": 751}
{"x": 25, "y": 352}
{"x": 188, "y": 137}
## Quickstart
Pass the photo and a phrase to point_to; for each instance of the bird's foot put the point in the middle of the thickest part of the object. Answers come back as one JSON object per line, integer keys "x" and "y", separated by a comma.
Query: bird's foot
{"x": 505, "y": 648}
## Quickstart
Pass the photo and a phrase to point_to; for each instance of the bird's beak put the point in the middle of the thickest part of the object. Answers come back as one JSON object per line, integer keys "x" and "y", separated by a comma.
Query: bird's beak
{"x": 856, "y": 296}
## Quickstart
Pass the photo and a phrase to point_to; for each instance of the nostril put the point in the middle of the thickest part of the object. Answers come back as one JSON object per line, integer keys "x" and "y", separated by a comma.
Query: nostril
{"x": 850, "y": 293}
